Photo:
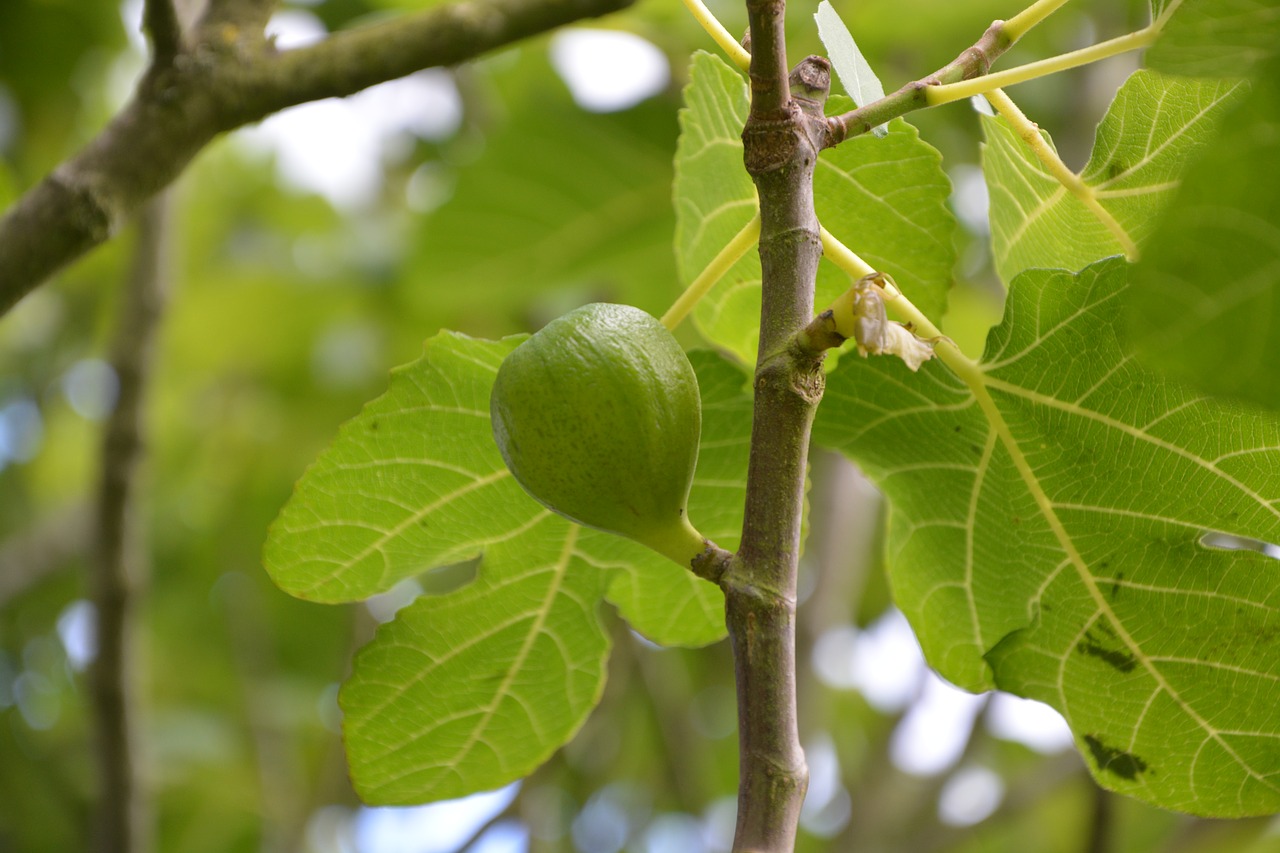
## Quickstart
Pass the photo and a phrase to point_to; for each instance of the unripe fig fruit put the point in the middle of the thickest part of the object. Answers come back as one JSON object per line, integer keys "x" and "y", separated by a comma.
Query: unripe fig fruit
{"x": 598, "y": 417}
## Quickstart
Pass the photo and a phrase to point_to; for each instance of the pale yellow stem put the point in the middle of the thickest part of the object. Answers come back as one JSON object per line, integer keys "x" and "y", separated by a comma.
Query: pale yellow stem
{"x": 1030, "y": 134}
{"x": 716, "y": 30}
{"x": 843, "y": 256}
{"x": 720, "y": 264}
{"x": 1018, "y": 26}
{"x": 1159, "y": 23}
{"x": 946, "y": 93}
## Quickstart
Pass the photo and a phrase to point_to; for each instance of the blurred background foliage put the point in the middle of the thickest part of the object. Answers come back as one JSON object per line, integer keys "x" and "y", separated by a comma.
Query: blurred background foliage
{"x": 313, "y": 253}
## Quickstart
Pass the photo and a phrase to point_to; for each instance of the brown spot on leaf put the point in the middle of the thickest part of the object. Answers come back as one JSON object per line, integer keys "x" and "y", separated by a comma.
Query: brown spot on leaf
{"x": 1092, "y": 645}
{"x": 1126, "y": 765}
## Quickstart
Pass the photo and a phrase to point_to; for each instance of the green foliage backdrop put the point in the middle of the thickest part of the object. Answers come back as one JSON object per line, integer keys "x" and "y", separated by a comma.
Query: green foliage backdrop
{"x": 1062, "y": 469}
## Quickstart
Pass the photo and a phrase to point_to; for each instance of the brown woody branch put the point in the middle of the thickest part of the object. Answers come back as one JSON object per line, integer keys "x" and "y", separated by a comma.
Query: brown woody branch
{"x": 228, "y": 75}
{"x": 782, "y": 137}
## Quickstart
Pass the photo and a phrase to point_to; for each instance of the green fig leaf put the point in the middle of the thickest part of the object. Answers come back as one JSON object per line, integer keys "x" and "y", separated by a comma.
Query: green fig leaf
{"x": 1155, "y": 125}
{"x": 886, "y": 198}
{"x": 442, "y": 492}
{"x": 1205, "y": 301}
{"x": 1214, "y": 38}
{"x": 1047, "y": 536}
{"x": 470, "y": 690}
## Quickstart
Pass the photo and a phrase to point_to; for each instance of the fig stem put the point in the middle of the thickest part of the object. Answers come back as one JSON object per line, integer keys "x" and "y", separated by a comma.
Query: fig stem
{"x": 681, "y": 543}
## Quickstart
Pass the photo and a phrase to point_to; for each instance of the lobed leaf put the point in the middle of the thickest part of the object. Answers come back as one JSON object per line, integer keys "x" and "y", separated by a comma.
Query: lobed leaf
{"x": 1205, "y": 304}
{"x": 887, "y": 198}
{"x": 1047, "y": 537}
{"x": 1155, "y": 125}
{"x": 714, "y": 199}
{"x": 414, "y": 482}
{"x": 467, "y": 691}
{"x": 1214, "y": 38}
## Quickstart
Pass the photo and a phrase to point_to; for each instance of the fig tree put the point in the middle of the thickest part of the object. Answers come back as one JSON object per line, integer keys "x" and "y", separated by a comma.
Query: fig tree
{"x": 598, "y": 417}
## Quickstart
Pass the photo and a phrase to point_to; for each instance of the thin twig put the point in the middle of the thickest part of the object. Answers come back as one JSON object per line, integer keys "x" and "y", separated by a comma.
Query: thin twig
{"x": 974, "y": 61}
{"x": 118, "y": 565}
{"x": 1101, "y": 821}
{"x": 355, "y": 59}
{"x": 275, "y": 748}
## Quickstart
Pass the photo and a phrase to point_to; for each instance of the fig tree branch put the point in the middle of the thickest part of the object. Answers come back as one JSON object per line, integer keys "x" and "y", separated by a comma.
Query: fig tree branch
{"x": 770, "y": 92}
{"x": 948, "y": 91}
{"x": 781, "y": 141}
{"x": 229, "y": 74}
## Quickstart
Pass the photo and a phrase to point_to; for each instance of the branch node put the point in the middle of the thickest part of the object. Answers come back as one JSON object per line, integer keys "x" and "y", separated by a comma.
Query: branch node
{"x": 812, "y": 77}
{"x": 712, "y": 563}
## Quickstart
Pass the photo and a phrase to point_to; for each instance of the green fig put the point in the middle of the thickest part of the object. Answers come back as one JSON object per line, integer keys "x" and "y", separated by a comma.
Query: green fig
{"x": 598, "y": 417}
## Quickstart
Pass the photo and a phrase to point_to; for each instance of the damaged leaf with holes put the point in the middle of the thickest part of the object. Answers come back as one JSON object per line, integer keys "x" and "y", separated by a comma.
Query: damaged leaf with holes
{"x": 1047, "y": 536}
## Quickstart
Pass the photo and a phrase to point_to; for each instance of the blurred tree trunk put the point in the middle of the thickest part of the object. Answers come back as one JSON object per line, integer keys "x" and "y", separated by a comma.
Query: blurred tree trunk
{"x": 118, "y": 562}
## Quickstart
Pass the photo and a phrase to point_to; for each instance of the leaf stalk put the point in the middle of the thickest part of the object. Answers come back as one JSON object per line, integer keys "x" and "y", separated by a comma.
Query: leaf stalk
{"x": 737, "y": 54}
{"x": 1022, "y": 23}
{"x": 948, "y": 92}
{"x": 714, "y": 271}
{"x": 1029, "y": 132}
